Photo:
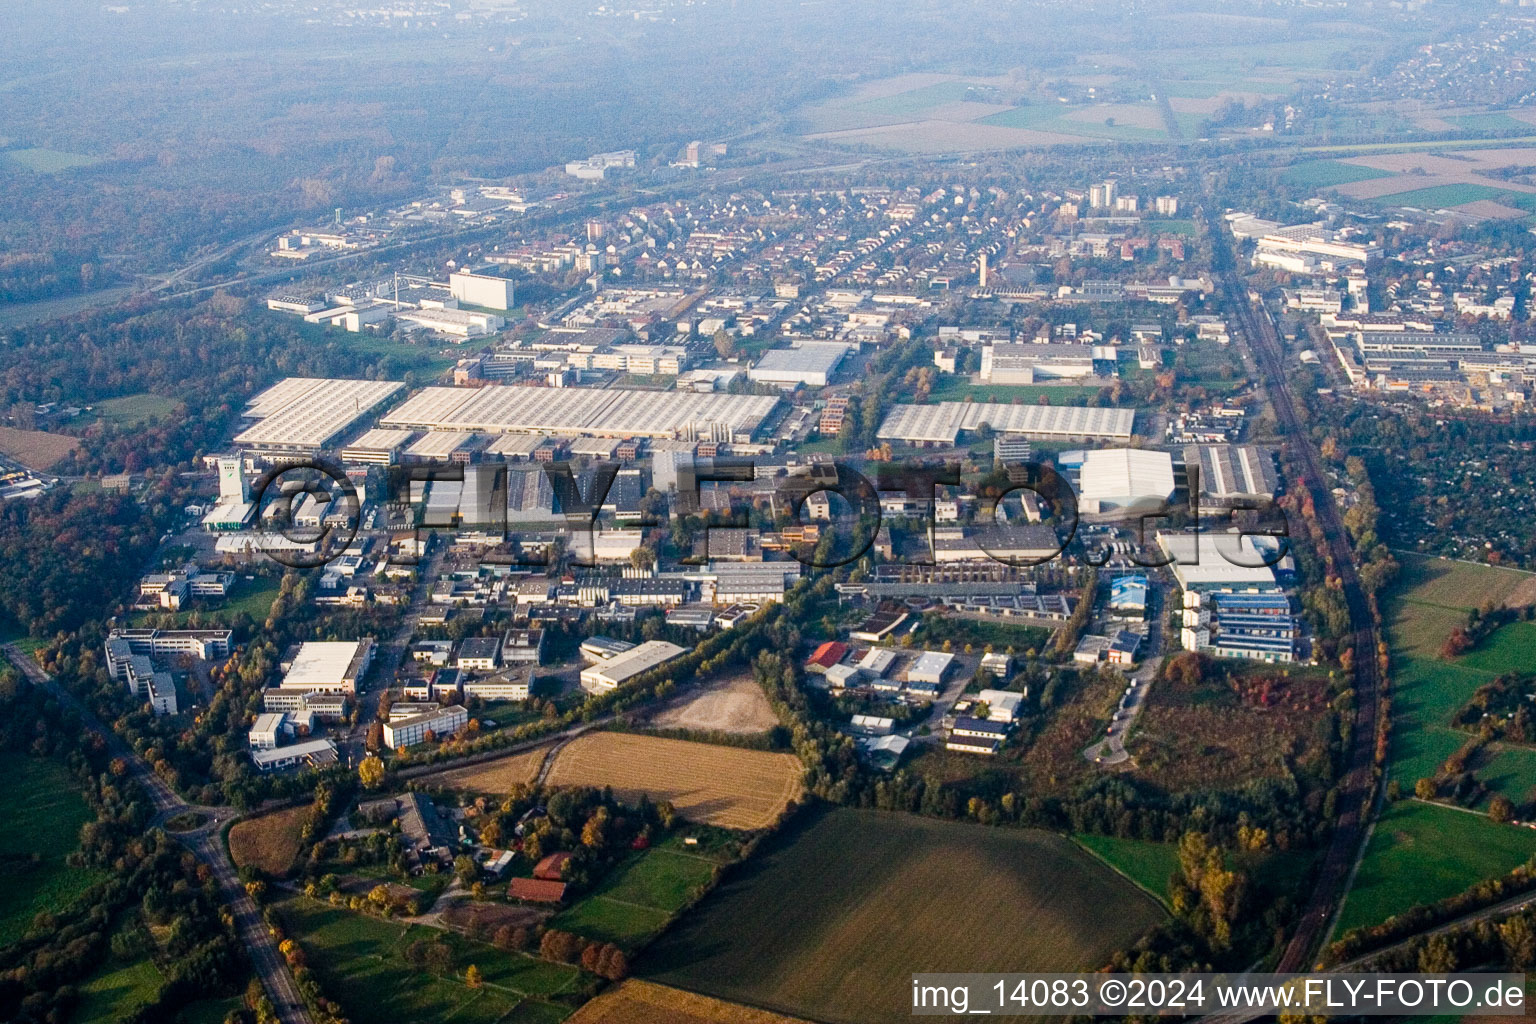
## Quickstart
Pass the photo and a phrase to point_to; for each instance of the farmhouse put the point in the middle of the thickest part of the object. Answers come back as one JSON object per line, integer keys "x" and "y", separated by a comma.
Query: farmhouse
{"x": 552, "y": 867}
{"x": 534, "y": 890}
{"x": 826, "y": 656}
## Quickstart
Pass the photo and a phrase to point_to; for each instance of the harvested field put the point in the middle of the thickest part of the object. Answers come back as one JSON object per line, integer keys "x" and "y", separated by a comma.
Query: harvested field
{"x": 724, "y": 786}
{"x": 1487, "y": 209}
{"x": 644, "y": 1002}
{"x": 940, "y": 136}
{"x": 1133, "y": 115}
{"x": 35, "y": 449}
{"x": 735, "y": 705}
{"x": 835, "y": 914}
{"x": 493, "y": 777}
{"x": 269, "y": 843}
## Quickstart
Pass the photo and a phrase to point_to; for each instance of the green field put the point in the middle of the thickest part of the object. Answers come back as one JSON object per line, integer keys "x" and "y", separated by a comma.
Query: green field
{"x": 47, "y": 161}
{"x": 211, "y": 1011}
{"x": 1053, "y": 118}
{"x": 1173, "y": 226}
{"x": 11, "y": 633}
{"x": 133, "y": 410}
{"x": 1492, "y": 121}
{"x": 1421, "y": 852}
{"x": 43, "y": 812}
{"x": 636, "y": 903}
{"x": 361, "y": 964}
{"x": 949, "y": 387}
{"x": 252, "y": 597}
{"x": 1438, "y": 197}
{"x": 830, "y": 919}
{"x": 917, "y": 101}
{"x": 1328, "y": 173}
{"x": 1149, "y": 865}
{"x": 1432, "y": 597}
{"x": 116, "y": 991}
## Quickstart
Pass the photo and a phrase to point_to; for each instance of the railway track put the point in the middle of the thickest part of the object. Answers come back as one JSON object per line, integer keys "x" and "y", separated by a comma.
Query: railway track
{"x": 1356, "y": 787}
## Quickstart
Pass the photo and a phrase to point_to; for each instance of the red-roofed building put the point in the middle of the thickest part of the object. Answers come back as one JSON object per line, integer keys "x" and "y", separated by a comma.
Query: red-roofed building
{"x": 825, "y": 656}
{"x": 536, "y": 890}
{"x": 552, "y": 867}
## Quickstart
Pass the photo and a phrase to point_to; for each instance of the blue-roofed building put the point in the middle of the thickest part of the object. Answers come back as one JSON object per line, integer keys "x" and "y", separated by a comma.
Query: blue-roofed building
{"x": 1257, "y": 627}
{"x": 1128, "y": 596}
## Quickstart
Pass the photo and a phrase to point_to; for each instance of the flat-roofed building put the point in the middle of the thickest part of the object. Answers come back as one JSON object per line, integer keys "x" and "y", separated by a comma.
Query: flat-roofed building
{"x": 481, "y": 290}
{"x": 1026, "y": 364}
{"x": 479, "y": 653}
{"x": 318, "y": 753}
{"x": 929, "y": 667}
{"x": 1125, "y": 478}
{"x": 585, "y": 412}
{"x": 1210, "y": 562}
{"x": 329, "y": 666}
{"x": 942, "y": 424}
{"x": 1002, "y": 705}
{"x": 522, "y": 647}
{"x": 327, "y": 707}
{"x": 811, "y": 363}
{"x": 1231, "y": 473}
{"x": 619, "y": 669}
{"x": 207, "y": 644}
{"x": 460, "y": 323}
{"x": 303, "y": 414}
{"x": 439, "y": 723}
{"x": 269, "y": 730}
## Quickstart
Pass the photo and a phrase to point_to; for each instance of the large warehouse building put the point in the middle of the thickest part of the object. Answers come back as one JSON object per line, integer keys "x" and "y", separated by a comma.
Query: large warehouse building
{"x": 1026, "y": 364}
{"x": 941, "y": 424}
{"x": 613, "y": 673}
{"x": 811, "y": 364}
{"x": 302, "y": 415}
{"x": 329, "y": 666}
{"x": 481, "y": 290}
{"x": 1233, "y": 473}
{"x": 1125, "y": 478}
{"x": 1206, "y": 562}
{"x": 577, "y": 412}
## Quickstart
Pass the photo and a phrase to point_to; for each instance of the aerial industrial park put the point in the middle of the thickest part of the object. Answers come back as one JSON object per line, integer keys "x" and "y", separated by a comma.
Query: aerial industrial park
{"x": 615, "y": 515}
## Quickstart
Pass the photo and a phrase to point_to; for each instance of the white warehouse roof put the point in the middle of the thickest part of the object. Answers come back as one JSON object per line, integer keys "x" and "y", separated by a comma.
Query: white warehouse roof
{"x": 811, "y": 364}
{"x": 610, "y": 412}
{"x": 1125, "y": 477}
{"x": 303, "y": 412}
{"x": 323, "y": 663}
{"x": 1206, "y": 561}
{"x": 942, "y": 423}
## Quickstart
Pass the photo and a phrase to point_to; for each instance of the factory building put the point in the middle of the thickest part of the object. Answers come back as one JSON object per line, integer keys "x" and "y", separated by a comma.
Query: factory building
{"x": 481, "y": 290}
{"x": 942, "y": 424}
{"x": 1125, "y": 478}
{"x": 302, "y": 415}
{"x": 1027, "y": 364}
{"x": 811, "y": 363}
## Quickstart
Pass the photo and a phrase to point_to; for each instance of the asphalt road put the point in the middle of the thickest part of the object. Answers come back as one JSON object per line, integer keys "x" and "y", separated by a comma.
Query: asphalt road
{"x": 204, "y": 841}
